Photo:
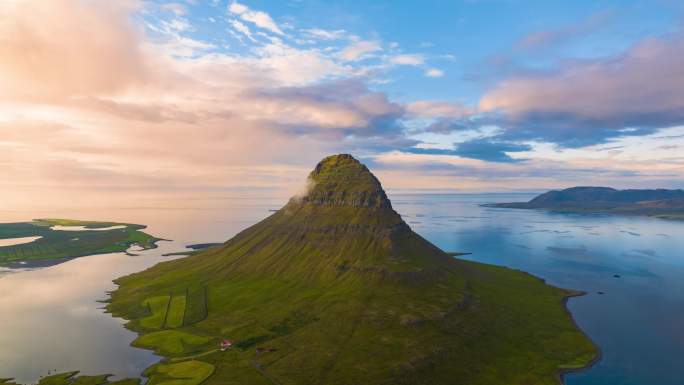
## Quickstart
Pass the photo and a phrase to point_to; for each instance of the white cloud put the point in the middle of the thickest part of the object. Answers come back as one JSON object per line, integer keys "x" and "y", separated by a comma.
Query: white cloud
{"x": 242, "y": 28}
{"x": 177, "y": 24}
{"x": 325, "y": 34}
{"x": 411, "y": 60}
{"x": 434, "y": 73}
{"x": 176, "y": 8}
{"x": 359, "y": 50}
{"x": 260, "y": 19}
{"x": 237, "y": 8}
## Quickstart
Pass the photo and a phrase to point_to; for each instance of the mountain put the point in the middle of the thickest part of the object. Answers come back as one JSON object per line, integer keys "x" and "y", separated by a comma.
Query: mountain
{"x": 335, "y": 288}
{"x": 660, "y": 202}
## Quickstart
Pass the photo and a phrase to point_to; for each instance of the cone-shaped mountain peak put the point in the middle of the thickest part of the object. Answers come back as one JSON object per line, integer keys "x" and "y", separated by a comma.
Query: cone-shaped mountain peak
{"x": 344, "y": 221}
{"x": 341, "y": 180}
{"x": 336, "y": 289}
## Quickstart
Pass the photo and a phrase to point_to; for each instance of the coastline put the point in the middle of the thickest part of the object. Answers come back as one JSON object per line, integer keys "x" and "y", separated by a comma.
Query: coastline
{"x": 677, "y": 216}
{"x": 599, "y": 353}
{"x": 562, "y": 372}
{"x": 43, "y": 263}
{"x": 51, "y": 245}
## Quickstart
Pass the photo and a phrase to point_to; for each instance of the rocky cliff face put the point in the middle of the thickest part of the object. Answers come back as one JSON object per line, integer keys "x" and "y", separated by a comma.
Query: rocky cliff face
{"x": 341, "y": 180}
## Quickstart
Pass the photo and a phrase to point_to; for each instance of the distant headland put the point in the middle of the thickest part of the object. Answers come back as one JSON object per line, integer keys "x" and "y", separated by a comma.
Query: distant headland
{"x": 661, "y": 203}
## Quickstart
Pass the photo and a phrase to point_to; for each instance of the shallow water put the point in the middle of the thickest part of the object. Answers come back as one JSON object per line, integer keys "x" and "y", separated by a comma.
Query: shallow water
{"x": 17, "y": 241}
{"x": 84, "y": 228}
{"x": 50, "y": 317}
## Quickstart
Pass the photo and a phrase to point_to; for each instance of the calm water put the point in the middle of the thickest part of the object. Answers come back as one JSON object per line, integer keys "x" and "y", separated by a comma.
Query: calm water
{"x": 51, "y": 318}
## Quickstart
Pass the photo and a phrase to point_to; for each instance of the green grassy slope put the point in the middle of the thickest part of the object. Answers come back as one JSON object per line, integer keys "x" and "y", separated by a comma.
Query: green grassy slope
{"x": 335, "y": 288}
{"x": 58, "y": 244}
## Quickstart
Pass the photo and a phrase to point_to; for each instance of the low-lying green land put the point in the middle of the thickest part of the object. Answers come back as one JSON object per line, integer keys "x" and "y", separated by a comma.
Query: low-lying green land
{"x": 56, "y": 245}
{"x": 72, "y": 378}
{"x": 335, "y": 288}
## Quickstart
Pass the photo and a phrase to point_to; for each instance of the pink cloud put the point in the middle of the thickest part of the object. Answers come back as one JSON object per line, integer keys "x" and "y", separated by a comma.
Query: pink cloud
{"x": 56, "y": 49}
{"x": 589, "y": 101}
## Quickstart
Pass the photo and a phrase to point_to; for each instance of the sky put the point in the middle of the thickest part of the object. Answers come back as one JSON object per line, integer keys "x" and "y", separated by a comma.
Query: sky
{"x": 135, "y": 99}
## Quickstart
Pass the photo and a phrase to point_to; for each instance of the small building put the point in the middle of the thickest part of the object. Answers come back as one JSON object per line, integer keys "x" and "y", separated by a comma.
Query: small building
{"x": 225, "y": 344}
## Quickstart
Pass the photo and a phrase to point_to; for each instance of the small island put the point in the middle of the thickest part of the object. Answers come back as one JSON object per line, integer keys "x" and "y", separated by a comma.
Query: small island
{"x": 50, "y": 241}
{"x": 660, "y": 203}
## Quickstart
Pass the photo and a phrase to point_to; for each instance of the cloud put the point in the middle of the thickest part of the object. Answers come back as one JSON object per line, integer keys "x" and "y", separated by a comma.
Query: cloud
{"x": 405, "y": 59}
{"x": 260, "y": 19}
{"x": 115, "y": 108}
{"x": 339, "y": 108}
{"x": 326, "y": 34}
{"x": 492, "y": 151}
{"x": 434, "y": 73}
{"x": 546, "y": 38}
{"x": 590, "y": 101}
{"x": 481, "y": 149}
{"x": 92, "y": 99}
{"x": 177, "y": 8}
{"x": 359, "y": 50}
{"x": 242, "y": 28}
{"x": 448, "y": 172}
{"x": 437, "y": 109}
{"x": 56, "y": 49}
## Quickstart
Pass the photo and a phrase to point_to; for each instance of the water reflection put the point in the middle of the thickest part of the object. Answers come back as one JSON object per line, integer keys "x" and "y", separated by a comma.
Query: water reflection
{"x": 84, "y": 228}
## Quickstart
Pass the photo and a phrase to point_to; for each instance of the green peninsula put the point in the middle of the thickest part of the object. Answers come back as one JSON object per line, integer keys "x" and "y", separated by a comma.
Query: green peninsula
{"x": 335, "y": 288}
{"x": 72, "y": 378}
{"x": 52, "y": 240}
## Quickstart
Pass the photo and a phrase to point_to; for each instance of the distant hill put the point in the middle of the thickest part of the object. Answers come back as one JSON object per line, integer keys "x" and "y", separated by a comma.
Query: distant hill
{"x": 660, "y": 202}
{"x": 335, "y": 288}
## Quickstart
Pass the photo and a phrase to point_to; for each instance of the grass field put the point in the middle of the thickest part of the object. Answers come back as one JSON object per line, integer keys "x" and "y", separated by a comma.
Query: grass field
{"x": 182, "y": 373}
{"x": 56, "y": 244}
{"x": 173, "y": 342}
{"x": 176, "y": 315}
{"x": 196, "y": 304}
{"x": 158, "y": 309}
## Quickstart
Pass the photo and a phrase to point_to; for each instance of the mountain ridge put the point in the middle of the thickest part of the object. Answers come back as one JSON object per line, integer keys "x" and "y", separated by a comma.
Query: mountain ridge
{"x": 646, "y": 202}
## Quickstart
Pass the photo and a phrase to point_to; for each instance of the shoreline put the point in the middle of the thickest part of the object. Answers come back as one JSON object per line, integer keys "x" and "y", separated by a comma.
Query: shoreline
{"x": 562, "y": 373}
{"x": 21, "y": 265}
{"x": 677, "y": 217}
